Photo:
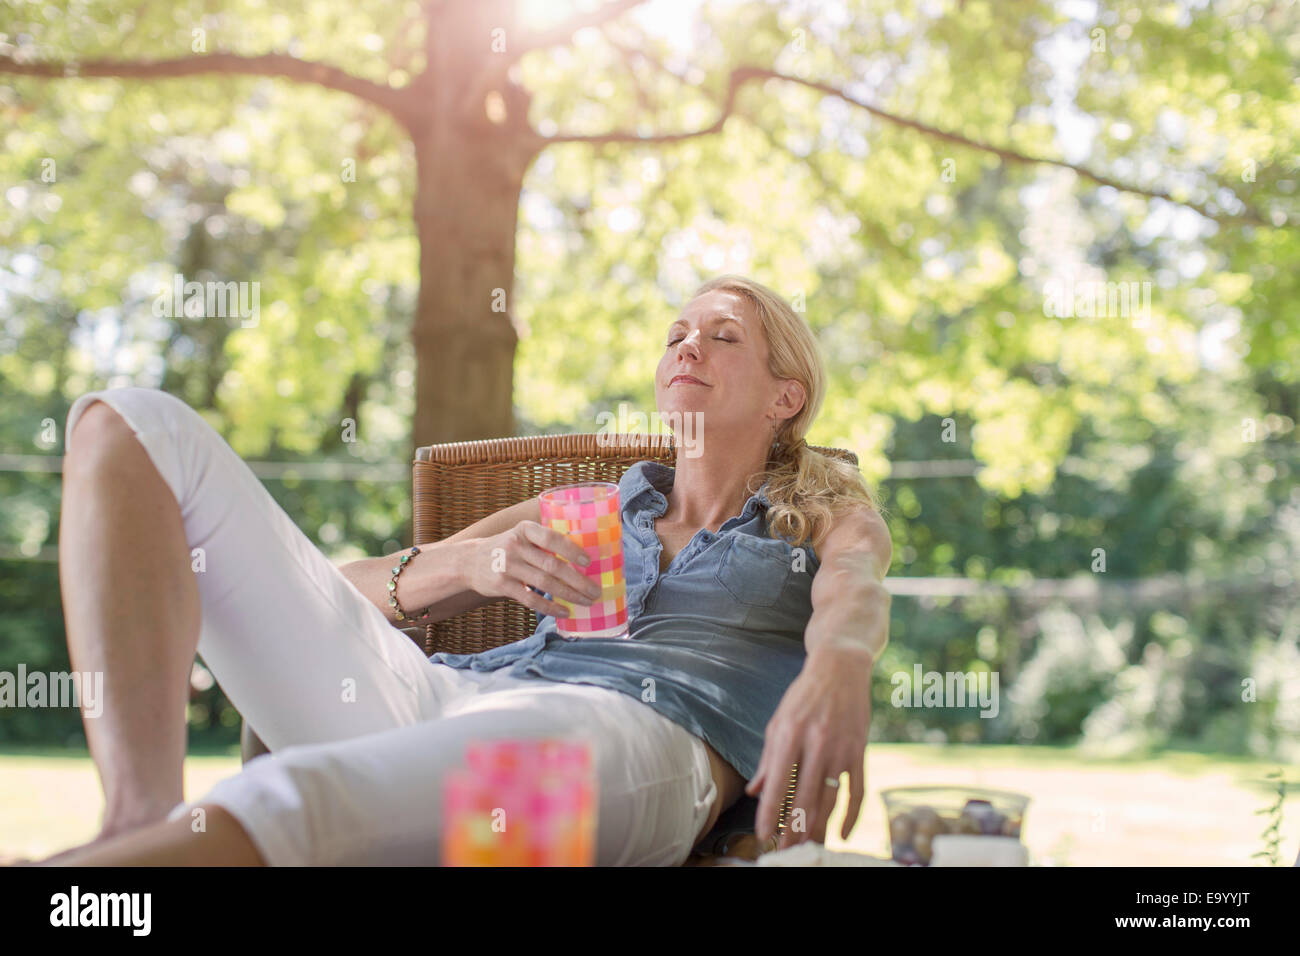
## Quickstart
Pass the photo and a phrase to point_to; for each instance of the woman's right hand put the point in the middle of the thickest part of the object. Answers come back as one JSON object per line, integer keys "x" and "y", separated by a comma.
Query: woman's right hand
{"x": 531, "y": 554}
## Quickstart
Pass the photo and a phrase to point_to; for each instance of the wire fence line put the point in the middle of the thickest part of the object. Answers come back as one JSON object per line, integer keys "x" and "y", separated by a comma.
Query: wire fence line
{"x": 1090, "y": 591}
{"x": 304, "y": 470}
{"x": 397, "y": 471}
{"x": 394, "y": 472}
{"x": 389, "y": 471}
{"x": 1082, "y": 592}
{"x": 335, "y": 470}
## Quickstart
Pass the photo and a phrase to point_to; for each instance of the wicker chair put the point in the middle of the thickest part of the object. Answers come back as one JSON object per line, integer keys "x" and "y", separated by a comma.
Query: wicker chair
{"x": 459, "y": 483}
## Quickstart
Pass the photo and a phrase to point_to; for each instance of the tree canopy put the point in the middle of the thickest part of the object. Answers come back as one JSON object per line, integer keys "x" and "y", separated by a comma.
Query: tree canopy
{"x": 1058, "y": 239}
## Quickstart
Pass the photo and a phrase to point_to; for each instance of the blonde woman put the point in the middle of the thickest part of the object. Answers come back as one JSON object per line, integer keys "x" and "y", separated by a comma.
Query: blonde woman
{"x": 755, "y": 594}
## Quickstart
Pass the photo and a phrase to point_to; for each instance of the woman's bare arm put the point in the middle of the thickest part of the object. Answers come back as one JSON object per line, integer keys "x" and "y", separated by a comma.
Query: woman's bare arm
{"x": 435, "y": 577}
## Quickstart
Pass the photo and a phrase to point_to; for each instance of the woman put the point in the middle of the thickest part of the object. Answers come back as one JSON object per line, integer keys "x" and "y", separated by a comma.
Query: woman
{"x": 168, "y": 544}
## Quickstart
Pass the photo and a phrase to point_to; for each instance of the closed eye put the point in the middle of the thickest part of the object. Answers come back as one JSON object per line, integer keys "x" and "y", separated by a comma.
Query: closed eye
{"x": 718, "y": 337}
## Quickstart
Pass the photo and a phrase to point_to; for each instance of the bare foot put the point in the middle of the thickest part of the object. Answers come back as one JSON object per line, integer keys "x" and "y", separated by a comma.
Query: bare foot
{"x": 107, "y": 833}
{"x": 223, "y": 843}
{"x": 59, "y": 859}
{"x": 66, "y": 857}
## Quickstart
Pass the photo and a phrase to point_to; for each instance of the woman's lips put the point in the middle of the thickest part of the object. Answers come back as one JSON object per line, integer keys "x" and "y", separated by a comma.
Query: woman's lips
{"x": 685, "y": 380}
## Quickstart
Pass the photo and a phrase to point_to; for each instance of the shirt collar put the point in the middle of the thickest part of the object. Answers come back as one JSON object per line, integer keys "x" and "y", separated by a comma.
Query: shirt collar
{"x": 652, "y": 480}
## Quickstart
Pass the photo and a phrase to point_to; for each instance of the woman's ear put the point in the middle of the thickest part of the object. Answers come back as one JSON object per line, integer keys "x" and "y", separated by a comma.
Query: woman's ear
{"x": 792, "y": 397}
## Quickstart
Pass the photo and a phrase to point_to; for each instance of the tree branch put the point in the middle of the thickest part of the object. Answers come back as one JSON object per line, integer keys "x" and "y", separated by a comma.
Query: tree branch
{"x": 642, "y": 97}
{"x": 744, "y": 74}
{"x": 496, "y": 69}
{"x": 1011, "y": 155}
{"x": 267, "y": 64}
{"x": 631, "y": 53}
{"x": 883, "y": 242}
{"x": 738, "y": 77}
{"x": 401, "y": 57}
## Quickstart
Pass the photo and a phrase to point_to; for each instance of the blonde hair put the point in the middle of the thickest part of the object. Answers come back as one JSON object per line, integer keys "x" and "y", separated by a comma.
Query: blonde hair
{"x": 806, "y": 489}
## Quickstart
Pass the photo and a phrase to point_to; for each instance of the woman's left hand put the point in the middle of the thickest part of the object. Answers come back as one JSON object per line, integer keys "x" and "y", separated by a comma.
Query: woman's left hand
{"x": 821, "y": 724}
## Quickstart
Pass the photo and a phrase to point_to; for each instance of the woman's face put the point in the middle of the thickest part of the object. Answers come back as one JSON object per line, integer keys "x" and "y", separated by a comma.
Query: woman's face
{"x": 719, "y": 340}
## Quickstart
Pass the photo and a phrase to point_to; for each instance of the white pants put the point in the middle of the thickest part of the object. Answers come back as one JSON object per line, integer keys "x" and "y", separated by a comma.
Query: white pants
{"x": 362, "y": 726}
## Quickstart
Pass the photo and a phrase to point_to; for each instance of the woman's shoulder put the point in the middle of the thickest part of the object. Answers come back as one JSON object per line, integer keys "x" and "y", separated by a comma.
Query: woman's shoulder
{"x": 858, "y": 527}
{"x": 759, "y": 539}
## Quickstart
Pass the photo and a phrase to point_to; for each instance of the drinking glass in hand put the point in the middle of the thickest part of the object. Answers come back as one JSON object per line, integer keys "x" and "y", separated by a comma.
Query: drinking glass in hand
{"x": 588, "y": 512}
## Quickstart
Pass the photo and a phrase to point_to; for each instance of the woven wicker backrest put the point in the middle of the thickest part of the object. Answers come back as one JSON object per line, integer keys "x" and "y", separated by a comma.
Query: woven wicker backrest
{"x": 458, "y": 483}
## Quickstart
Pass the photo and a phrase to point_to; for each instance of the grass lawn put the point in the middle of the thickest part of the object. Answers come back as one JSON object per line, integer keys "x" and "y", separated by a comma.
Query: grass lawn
{"x": 1172, "y": 809}
{"x": 52, "y": 799}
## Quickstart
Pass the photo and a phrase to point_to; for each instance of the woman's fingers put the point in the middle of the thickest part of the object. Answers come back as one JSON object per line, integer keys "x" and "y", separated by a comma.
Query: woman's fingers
{"x": 533, "y": 599}
{"x": 776, "y": 778}
{"x": 556, "y": 542}
{"x": 814, "y": 799}
{"x": 856, "y": 794}
{"x": 544, "y": 580}
{"x": 548, "y": 572}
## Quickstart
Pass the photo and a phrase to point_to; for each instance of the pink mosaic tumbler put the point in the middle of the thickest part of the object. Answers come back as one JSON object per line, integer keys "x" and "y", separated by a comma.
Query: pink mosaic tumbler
{"x": 521, "y": 802}
{"x": 588, "y": 512}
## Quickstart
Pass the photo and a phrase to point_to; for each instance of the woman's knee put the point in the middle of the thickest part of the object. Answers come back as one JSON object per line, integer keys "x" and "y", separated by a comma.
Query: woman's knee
{"x": 228, "y": 842}
{"x": 100, "y": 434}
{"x": 134, "y": 407}
{"x": 273, "y": 804}
{"x": 100, "y": 424}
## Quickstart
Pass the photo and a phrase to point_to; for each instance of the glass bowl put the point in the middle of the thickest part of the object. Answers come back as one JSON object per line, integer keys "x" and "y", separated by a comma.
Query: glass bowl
{"x": 916, "y": 815}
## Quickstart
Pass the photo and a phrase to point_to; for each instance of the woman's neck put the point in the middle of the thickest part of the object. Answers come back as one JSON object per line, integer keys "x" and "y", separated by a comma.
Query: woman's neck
{"x": 708, "y": 490}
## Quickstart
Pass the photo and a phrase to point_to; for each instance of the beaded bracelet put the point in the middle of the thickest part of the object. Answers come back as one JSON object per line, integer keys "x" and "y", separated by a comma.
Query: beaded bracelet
{"x": 392, "y": 590}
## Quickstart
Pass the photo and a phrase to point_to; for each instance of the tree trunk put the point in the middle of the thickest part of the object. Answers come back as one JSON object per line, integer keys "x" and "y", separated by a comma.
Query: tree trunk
{"x": 470, "y": 172}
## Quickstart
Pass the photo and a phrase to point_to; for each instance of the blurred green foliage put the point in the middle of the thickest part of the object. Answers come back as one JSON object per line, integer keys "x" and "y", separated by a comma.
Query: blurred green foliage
{"x": 1165, "y": 438}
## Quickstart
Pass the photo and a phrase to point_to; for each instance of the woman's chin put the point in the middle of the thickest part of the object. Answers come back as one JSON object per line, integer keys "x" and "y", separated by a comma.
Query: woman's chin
{"x": 687, "y": 400}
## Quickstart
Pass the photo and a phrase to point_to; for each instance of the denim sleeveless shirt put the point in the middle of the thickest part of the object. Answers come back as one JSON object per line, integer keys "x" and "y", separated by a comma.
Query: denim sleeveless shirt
{"x": 715, "y": 640}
